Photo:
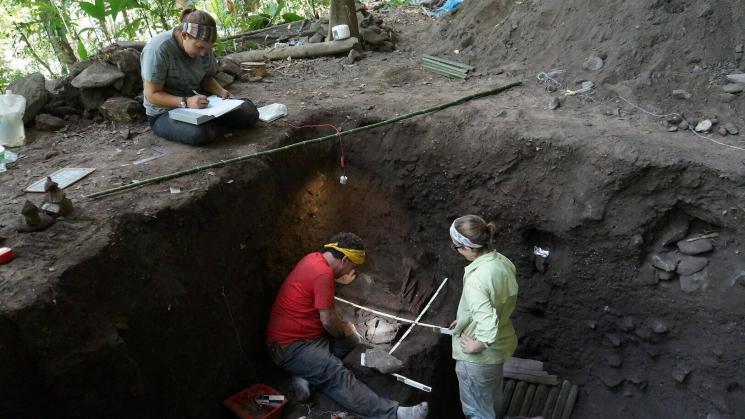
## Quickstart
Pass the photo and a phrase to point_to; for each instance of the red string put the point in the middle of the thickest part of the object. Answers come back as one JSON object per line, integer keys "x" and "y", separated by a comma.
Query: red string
{"x": 338, "y": 136}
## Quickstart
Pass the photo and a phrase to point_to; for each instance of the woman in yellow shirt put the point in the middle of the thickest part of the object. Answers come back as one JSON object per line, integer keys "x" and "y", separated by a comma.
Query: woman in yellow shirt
{"x": 483, "y": 336}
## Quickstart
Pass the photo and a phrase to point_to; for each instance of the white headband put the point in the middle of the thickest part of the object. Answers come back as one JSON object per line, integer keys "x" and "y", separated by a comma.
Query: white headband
{"x": 461, "y": 239}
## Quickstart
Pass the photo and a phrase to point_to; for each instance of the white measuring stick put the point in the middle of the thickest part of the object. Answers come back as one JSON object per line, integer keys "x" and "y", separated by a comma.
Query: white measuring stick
{"x": 412, "y": 383}
{"x": 401, "y": 378}
{"x": 419, "y": 317}
{"x": 401, "y": 319}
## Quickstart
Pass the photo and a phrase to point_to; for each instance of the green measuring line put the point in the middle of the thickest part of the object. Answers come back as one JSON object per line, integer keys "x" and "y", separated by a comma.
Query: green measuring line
{"x": 222, "y": 163}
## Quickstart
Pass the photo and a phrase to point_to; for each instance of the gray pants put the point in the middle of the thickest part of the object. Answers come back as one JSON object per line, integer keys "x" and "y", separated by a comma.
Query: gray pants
{"x": 243, "y": 117}
{"x": 319, "y": 362}
{"x": 480, "y": 389}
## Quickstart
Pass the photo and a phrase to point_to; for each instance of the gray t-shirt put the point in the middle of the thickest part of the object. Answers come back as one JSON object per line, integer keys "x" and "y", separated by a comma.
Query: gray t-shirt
{"x": 162, "y": 61}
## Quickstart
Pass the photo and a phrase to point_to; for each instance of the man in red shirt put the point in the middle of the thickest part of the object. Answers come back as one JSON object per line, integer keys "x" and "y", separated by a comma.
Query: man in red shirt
{"x": 307, "y": 337}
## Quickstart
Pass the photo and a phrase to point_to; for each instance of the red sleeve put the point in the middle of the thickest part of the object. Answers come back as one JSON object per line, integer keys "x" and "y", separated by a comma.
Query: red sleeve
{"x": 323, "y": 292}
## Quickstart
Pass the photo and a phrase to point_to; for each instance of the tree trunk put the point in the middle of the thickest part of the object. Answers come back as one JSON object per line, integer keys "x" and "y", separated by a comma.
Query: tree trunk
{"x": 343, "y": 12}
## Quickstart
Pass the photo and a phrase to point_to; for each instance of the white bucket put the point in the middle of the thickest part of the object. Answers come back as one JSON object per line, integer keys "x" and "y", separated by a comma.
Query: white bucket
{"x": 12, "y": 108}
{"x": 340, "y": 32}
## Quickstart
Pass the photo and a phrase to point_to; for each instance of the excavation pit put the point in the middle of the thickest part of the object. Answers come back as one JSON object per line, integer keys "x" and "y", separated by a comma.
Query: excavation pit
{"x": 165, "y": 317}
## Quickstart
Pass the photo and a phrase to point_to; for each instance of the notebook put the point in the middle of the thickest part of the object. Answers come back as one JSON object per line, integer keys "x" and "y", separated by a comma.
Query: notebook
{"x": 217, "y": 107}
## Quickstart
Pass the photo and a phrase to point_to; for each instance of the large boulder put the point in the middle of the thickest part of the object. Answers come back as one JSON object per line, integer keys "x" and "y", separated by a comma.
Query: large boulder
{"x": 231, "y": 67}
{"x": 224, "y": 79}
{"x": 46, "y": 122}
{"x": 122, "y": 109}
{"x": 97, "y": 75}
{"x": 127, "y": 60}
{"x": 34, "y": 89}
{"x": 94, "y": 97}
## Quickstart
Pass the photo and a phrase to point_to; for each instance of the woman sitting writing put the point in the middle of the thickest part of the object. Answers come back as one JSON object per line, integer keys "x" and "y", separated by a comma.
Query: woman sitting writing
{"x": 177, "y": 64}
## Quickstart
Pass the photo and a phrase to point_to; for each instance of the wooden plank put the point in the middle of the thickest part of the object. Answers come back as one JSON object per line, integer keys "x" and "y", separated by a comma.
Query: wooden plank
{"x": 528, "y": 402}
{"x": 551, "y": 380}
{"x": 522, "y": 363}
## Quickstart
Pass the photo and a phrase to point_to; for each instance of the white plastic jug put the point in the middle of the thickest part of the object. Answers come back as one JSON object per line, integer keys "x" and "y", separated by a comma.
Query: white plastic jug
{"x": 12, "y": 108}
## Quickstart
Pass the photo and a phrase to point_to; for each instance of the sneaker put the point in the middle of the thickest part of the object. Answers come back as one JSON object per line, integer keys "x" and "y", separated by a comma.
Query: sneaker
{"x": 300, "y": 387}
{"x": 413, "y": 412}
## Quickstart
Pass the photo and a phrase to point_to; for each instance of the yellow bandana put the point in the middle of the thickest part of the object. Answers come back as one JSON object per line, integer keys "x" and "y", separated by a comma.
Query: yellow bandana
{"x": 355, "y": 256}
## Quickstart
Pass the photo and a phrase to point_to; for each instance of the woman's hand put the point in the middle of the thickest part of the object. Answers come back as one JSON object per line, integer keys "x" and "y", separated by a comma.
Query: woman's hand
{"x": 198, "y": 102}
{"x": 452, "y": 325}
{"x": 225, "y": 94}
{"x": 470, "y": 345}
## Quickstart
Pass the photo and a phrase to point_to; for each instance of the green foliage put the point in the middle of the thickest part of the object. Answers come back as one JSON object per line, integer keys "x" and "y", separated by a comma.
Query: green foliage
{"x": 7, "y": 75}
{"x": 49, "y": 35}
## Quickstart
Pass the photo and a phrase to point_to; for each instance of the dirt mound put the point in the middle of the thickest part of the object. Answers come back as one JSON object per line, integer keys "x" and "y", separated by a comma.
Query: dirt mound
{"x": 632, "y": 48}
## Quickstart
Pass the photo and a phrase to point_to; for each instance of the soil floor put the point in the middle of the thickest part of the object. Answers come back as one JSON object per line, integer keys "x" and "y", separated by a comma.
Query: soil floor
{"x": 132, "y": 305}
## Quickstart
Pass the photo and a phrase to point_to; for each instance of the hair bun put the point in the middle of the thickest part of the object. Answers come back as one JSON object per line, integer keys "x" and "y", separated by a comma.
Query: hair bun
{"x": 185, "y": 12}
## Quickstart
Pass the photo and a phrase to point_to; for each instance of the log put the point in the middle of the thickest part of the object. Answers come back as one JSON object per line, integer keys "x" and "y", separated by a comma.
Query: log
{"x": 550, "y": 402}
{"x": 296, "y": 51}
{"x": 571, "y": 400}
{"x": 509, "y": 390}
{"x": 539, "y": 400}
{"x": 517, "y": 398}
{"x": 528, "y": 402}
{"x": 561, "y": 401}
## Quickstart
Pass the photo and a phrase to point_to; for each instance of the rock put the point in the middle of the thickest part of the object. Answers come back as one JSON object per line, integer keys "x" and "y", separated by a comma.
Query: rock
{"x": 593, "y": 63}
{"x": 231, "y": 67}
{"x": 352, "y": 57}
{"x": 380, "y": 330}
{"x": 613, "y": 339}
{"x": 695, "y": 247}
{"x": 592, "y": 324}
{"x": 613, "y": 359}
{"x": 666, "y": 262}
{"x": 683, "y": 126}
{"x": 94, "y": 97}
{"x": 736, "y": 78}
{"x": 705, "y": 10}
{"x": 659, "y": 327}
{"x": 738, "y": 278}
{"x": 722, "y": 131}
{"x": 644, "y": 333}
{"x": 46, "y": 122}
{"x": 122, "y": 109}
{"x": 224, "y": 79}
{"x": 316, "y": 27}
{"x": 681, "y": 94}
{"x": 680, "y": 372}
{"x": 317, "y": 38}
{"x": 382, "y": 361}
{"x": 739, "y": 48}
{"x": 694, "y": 282}
{"x": 727, "y": 97}
{"x": 373, "y": 37}
{"x": 610, "y": 377}
{"x": 647, "y": 275}
{"x": 97, "y": 75}
{"x": 626, "y": 324}
{"x": 676, "y": 229}
{"x": 674, "y": 119}
{"x": 731, "y": 128}
{"x": 704, "y": 126}
{"x": 689, "y": 265}
{"x": 127, "y": 60}
{"x": 554, "y": 103}
{"x": 733, "y": 88}
{"x": 33, "y": 88}
{"x": 664, "y": 276}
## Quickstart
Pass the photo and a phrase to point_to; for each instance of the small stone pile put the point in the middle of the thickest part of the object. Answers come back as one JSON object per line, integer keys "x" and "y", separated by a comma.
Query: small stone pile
{"x": 108, "y": 86}
{"x": 683, "y": 256}
{"x": 676, "y": 122}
